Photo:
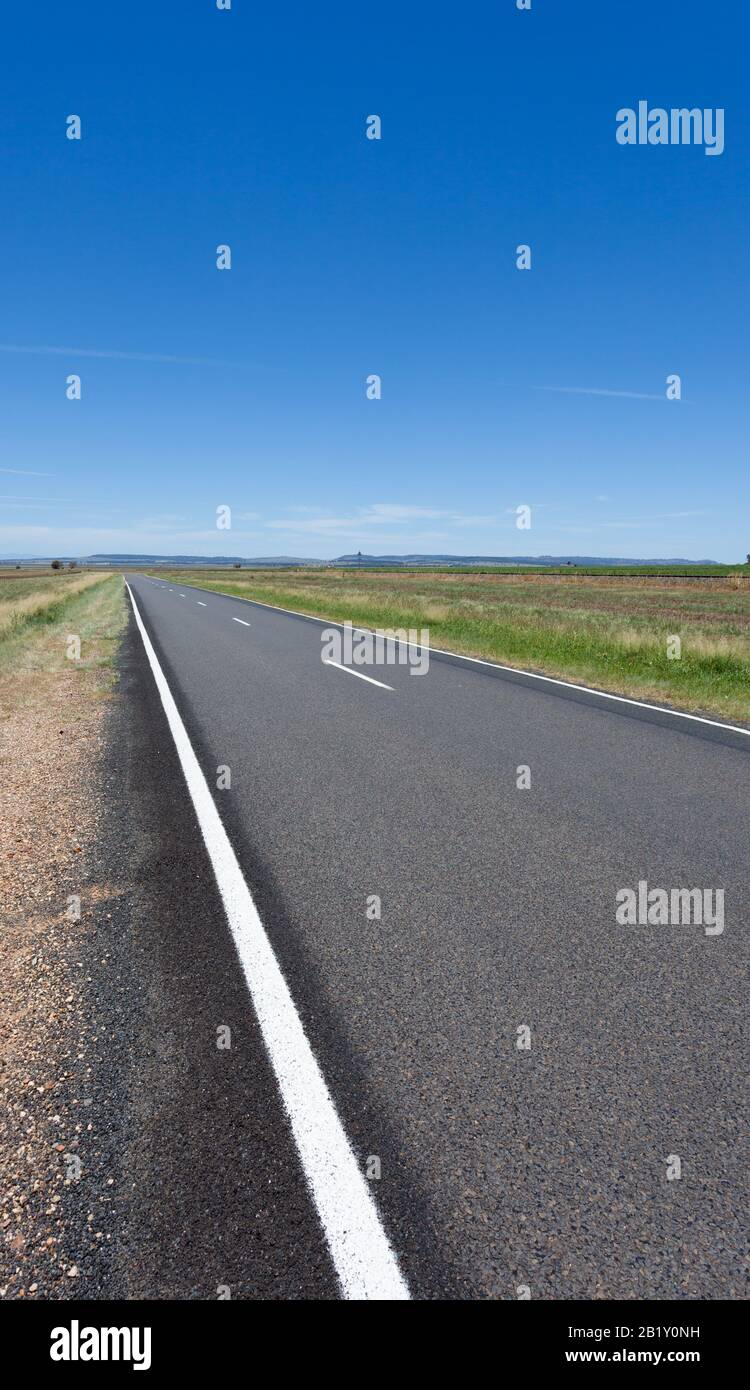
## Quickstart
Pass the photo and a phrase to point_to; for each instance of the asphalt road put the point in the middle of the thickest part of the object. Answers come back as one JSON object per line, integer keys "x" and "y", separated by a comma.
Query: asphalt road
{"x": 501, "y": 1168}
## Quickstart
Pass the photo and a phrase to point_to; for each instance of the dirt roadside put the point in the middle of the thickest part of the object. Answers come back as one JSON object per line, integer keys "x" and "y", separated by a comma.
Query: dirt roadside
{"x": 58, "y": 1121}
{"x": 189, "y": 1182}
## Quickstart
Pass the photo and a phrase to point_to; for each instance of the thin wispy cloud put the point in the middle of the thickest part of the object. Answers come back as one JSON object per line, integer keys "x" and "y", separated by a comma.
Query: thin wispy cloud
{"x": 378, "y": 514}
{"x": 654, "y": 520}
{"x": 113, "y": 354}
{"x": 595, "y": 391}
{"x": 20, "y": 497}
{"x": 183, "y": 525}
{"x": 88, "y": 538}
{"x": 26, "y": 473}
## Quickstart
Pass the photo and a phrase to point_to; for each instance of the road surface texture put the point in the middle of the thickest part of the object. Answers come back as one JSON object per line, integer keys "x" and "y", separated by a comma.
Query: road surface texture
{"x": 502, "y": 1167}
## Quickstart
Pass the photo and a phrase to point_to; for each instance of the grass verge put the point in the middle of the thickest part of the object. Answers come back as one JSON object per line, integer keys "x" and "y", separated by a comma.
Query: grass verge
{"x": 34, "y": 640}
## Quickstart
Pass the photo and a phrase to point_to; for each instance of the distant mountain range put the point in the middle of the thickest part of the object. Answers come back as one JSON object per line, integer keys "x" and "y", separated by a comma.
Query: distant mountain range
{"x": 343, "y": 561}
{"x": 504, "y": 560}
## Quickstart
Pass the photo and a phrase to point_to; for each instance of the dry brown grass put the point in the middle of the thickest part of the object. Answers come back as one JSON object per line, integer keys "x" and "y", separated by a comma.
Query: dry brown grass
{"x": 20, "y": 603}
{"x": 33, "y": 654}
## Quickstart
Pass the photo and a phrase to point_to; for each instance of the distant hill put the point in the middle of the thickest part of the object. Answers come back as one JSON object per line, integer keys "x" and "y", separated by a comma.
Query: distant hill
{"x": 344, "y": 561}
{"x": 504, "y": 560}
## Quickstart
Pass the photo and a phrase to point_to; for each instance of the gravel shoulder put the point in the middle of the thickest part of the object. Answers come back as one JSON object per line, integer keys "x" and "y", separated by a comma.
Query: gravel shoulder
{"x": 137, "y": 1158}
{"x": 59, "y": 1118}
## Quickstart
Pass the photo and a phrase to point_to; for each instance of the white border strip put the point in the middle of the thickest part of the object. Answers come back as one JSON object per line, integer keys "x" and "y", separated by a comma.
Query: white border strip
{"x": 496, "y": 665}
{"x": 364, "y": 1260}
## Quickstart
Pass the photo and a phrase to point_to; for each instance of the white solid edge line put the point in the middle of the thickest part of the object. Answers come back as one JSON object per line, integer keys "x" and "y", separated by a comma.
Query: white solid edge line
{"x": 365, "y": 1263}
{"x": 497, "y": 666}
{"x": 240, "y": 620}
{"x": 327, "y": 661}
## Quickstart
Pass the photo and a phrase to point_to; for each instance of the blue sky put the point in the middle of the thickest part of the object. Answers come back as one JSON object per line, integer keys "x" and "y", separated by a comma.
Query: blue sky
{"x": 350, "y": 256}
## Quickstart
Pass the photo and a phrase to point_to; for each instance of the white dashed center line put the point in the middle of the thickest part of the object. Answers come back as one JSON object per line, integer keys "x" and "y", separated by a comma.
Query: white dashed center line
{"x": 240, "y": 620}
{"x": 362, "y": 677}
